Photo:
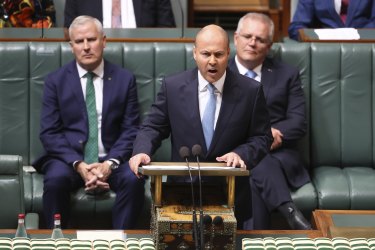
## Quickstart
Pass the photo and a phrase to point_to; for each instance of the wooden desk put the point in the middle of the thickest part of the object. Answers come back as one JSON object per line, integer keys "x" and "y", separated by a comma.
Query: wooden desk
{"x": 113, "y": 35}
{"x": 345, "y": 223}
{"x": 161, "y": 168}
{"x": 308, "y": 35}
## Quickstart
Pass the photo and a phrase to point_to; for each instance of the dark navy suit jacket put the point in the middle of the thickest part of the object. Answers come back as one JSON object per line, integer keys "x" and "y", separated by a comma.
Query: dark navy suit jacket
{"x": 286, "y": 106}
{"x": 148, "y": 13}
{"x": 243, "y": 125}
{"x": 64, "y": 122}
{"x": 322, "y": 14}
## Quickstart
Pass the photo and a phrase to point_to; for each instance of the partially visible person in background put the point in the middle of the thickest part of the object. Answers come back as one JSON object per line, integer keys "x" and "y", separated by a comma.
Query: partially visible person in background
{"x": 332, "y": 14}
{"x": 122, "y": 13}
{"x": 27, "y": 13}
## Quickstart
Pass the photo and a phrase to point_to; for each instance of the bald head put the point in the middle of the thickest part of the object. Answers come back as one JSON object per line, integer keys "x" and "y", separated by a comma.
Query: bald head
{"x": 211, "y": 32}
{"x": 211, "y": 52}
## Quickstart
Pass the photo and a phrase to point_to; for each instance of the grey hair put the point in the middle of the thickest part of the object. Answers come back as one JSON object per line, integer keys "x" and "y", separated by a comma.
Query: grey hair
{"x": 259, "y": 17}
{"x": 81, "y": 20}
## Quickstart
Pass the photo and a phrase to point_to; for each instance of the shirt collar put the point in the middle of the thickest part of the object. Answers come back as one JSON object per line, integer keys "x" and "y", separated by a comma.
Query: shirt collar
{"x": 99, "y": 71}
{"x": 202, "y": 83}
{"x": 243, "y": 70}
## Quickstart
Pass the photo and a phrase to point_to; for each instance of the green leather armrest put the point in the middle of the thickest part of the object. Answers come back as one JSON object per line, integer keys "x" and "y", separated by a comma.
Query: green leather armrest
{"x": 11, "y": 190}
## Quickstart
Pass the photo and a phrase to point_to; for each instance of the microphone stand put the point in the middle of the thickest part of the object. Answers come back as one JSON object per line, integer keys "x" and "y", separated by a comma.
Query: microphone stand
{"x": 197, "y": 150}
{"x": 195, "y": 224}
{"x": 184, "y": 153}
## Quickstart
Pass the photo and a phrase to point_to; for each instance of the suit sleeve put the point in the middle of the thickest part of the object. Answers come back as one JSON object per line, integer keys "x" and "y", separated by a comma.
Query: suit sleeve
{"x": 303, "y": 18}
{"x": 52, "y": 128}
{"x": 122, "y": 148}
{"x": 371, "y": 21}
{"x": 293, "y": 126}
{"x": 259, "y": 137}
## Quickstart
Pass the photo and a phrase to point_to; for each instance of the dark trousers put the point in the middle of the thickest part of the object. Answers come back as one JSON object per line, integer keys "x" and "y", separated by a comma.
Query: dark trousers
{"x": 60, "y": 180}
{"x": 269, "y": 189}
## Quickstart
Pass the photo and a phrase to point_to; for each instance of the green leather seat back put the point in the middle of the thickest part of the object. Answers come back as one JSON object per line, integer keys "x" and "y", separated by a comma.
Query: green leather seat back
{"x": 342, "y": 107}
{"x": 14, "y": 99}
{"x": 44, "y": 58}
{"x": 341, "y": 104}
{"x": 139, "y": 59}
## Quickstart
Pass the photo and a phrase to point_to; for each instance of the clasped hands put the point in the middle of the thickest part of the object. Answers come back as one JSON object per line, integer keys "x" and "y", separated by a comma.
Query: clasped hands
{"x": 95, "y": 176}
{"x": 232, "y": 159}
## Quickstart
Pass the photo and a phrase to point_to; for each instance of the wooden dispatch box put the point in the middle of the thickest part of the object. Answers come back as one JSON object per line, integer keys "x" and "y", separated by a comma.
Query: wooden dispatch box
{"x": 172, "y": 223}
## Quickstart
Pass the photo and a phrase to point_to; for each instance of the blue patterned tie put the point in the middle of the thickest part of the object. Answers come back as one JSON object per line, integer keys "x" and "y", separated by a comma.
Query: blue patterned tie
{"x": 251, "y": 74}
{"x": 208, "y": 120}
{"x": 91, "y": 147}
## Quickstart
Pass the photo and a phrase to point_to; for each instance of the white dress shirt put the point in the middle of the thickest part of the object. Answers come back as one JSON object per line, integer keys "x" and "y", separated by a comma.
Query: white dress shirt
{"x": 338, "y": 6}
{"x": 243, "y": 70}
{"x": 127, "y": 14}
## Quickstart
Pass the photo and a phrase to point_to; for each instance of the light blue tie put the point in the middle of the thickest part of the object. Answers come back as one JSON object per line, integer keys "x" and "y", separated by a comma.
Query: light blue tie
{"x": 91, "y": 147}
{"x": 208, "y": 120}
{"x": 251, "y": 74}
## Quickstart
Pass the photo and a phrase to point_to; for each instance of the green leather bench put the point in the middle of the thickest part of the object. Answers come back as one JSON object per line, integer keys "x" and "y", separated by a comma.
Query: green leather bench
{"x": 338, "y": 80}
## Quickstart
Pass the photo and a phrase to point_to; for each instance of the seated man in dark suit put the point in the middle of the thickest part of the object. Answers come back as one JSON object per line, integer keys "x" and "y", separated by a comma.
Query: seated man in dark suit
{"x": 332, "y": 14}
{"x": 89, "y": 121}
{"x": 212, "y": 106}
{"x": 122, "y": 13}
{"x": 282, "y": 167}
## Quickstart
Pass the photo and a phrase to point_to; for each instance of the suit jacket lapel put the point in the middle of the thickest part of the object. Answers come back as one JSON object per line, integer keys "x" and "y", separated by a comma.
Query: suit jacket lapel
{"x": 137, "y": 5}
{"x": 75, "y": 85}
{"x": 332, "y": 11}
{"x": 189, "y": 97}
{"x": 231, "y": 96}
{"x": 268, "y": 77}
{"x": 108, "y": 80}
{"x": 352, "y": 10}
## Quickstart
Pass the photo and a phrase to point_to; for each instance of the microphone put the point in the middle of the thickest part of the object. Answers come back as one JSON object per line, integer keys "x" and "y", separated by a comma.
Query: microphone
{"x": 216, "y": 222}
{"x": 197, "y": 151}
{"x": 184, "y": 154}
{"x": 207, "y": 221}
{"x": 182, "y": 19}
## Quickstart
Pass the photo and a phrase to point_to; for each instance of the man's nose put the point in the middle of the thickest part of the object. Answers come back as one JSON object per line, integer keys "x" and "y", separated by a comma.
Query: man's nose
{"x": 212, "y": 60}
{"x": 86, "y": 44}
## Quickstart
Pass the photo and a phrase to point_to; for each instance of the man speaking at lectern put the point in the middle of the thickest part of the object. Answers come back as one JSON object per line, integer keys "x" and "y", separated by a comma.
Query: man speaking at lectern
{"x": 222, "y": 111}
